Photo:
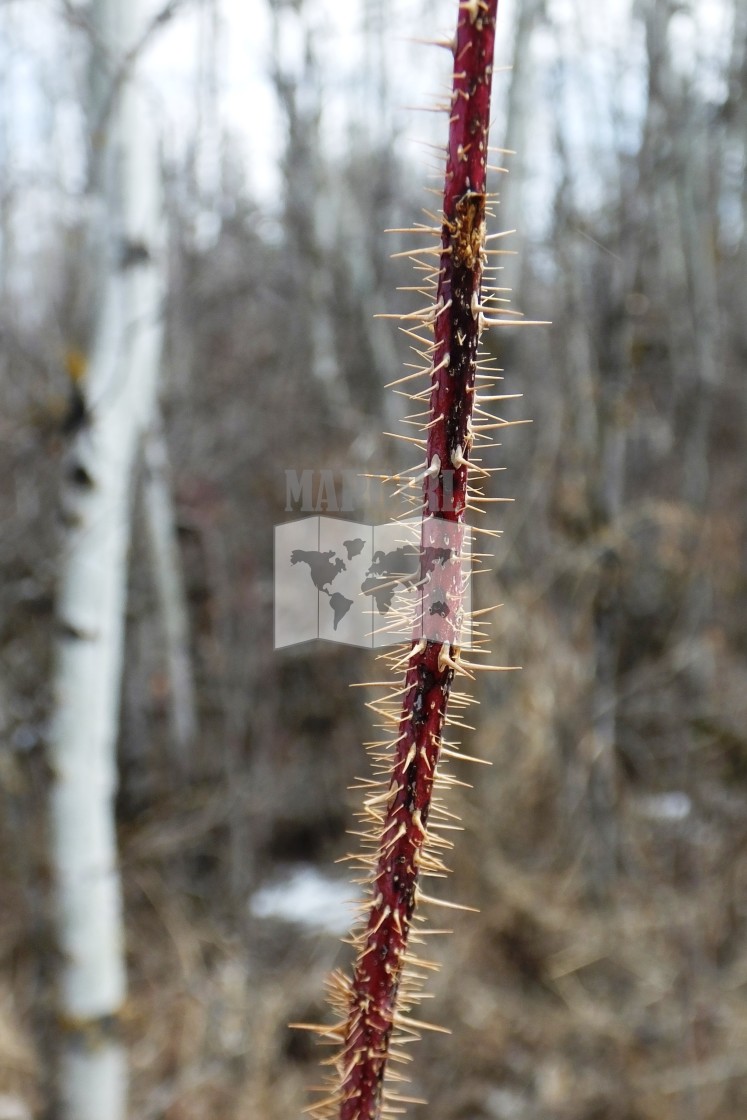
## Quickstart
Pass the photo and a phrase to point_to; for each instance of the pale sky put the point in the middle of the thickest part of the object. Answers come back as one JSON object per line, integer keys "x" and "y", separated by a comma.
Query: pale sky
{"x": 602, "y": 68}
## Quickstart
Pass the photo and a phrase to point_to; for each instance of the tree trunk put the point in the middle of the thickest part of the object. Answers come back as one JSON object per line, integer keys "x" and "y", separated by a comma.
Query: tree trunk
{"x": 119, "y": 394}
{"x": 167, "y": 574}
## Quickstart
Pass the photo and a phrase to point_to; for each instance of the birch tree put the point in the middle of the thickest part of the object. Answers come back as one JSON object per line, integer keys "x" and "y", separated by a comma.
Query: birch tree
{"x": 119, "y": 394}
{"x": 169, "y": 585}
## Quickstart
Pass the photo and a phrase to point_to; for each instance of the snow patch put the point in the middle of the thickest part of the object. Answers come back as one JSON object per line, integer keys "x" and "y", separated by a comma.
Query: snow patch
{"x": 308, "y": 898}
{"x": 671, "y": 806}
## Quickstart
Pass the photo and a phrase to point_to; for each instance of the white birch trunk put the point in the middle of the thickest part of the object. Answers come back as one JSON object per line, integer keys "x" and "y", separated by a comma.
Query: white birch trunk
{"x": 167, "y": 573}
{"x": 91, "y": 601}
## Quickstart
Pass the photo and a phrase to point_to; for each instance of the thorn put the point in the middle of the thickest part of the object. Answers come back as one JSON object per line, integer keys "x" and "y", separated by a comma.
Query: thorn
{"x": 492, "y": 668}
{"x": 441, "y": 902}
{"x": 502, "y": 233}
{"x": 408, "y": 439}
{"x": 516, "y": 322}
{"x": 447, "y": 753}
{"x": 416, "y": 1024}
{"x": 407, "y": 377}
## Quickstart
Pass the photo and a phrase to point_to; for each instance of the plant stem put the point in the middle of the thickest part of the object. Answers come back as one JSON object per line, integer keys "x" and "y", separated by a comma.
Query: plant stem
{"x": 386, "y": 980}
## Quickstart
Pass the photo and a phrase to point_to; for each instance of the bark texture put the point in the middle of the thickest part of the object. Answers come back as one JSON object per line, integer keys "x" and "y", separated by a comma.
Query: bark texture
{"x": 119, "y": 391}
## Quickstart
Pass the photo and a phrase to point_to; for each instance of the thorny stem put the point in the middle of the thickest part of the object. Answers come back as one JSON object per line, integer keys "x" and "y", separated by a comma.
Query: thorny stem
{"x": 376, "y": 1002}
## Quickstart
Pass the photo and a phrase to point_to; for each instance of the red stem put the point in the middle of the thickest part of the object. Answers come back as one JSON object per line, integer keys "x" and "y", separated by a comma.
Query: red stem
{"x": 381, "y": 990}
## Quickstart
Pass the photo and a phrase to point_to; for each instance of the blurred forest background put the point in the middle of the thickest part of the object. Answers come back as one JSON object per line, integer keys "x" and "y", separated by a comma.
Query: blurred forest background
{"x": 605, "y": 977}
